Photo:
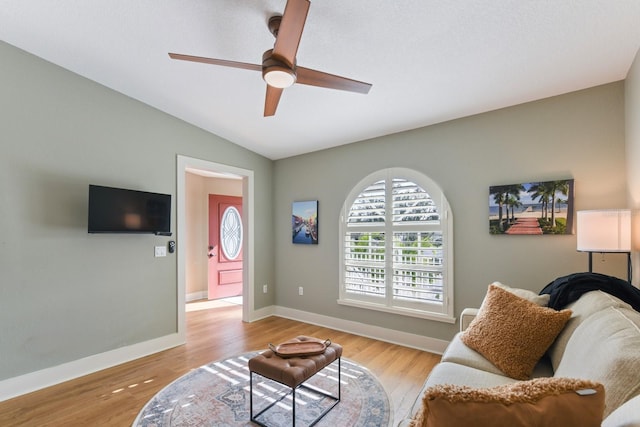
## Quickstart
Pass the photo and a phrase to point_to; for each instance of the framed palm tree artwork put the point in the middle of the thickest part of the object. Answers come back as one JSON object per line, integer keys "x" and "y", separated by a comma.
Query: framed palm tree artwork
{"x": 532, "y": 208}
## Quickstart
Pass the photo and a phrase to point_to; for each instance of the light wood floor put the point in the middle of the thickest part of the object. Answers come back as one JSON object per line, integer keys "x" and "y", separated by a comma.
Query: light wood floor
{"x": 114, "y": 397}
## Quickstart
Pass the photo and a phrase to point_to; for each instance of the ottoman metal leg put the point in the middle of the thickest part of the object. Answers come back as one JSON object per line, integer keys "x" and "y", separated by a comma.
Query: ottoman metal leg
{"x": 293, "y": 398}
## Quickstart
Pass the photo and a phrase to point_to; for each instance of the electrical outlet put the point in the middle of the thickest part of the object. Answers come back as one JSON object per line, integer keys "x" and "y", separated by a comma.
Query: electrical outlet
{"x": 160, "y": 251}
{"x": 300, "y": 290}
{"x": 265, "y": 288}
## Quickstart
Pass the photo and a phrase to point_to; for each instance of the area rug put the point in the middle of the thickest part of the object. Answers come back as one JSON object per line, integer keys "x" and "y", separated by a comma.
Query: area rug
{"x": 217, "y": 395}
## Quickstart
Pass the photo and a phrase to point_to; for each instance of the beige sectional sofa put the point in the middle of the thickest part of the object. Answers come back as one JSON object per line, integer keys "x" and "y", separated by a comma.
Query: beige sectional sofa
{"x": 600, "y": 342}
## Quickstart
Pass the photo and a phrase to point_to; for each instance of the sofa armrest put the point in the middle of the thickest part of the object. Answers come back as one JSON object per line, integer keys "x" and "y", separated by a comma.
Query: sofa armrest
{"x": 467, "y": 315}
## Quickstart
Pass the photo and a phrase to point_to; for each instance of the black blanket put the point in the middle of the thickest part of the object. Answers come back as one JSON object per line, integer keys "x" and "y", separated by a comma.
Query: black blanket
{"x": 567, "y": 289}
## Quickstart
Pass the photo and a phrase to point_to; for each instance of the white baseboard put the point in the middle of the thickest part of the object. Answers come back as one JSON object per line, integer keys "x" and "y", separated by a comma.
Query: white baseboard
{"x": 195, "y": 296}
{"x": 392, "y": 336}
{"x": 262, "y": 313}
{"x": 33, "y": 381}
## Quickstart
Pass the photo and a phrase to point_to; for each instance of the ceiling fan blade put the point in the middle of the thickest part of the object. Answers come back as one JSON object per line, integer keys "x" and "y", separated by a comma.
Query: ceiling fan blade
{"x": 271, "y": 100}
{"x": 290, "y": 31}
{"x": 214, "y": 61}
{"x": 307, "y": 76}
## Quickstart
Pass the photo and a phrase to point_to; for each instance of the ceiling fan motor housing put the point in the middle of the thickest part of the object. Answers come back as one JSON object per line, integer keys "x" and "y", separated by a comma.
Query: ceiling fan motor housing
{"x": 276, "y": 71}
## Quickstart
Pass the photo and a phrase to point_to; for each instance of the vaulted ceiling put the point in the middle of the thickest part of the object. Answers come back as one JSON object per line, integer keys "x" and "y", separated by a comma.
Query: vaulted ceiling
{"x": 429, "y": 61}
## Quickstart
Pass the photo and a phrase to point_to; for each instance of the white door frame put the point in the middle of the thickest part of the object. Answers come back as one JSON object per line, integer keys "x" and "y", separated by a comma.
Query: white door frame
{"x": 183, "y": 163}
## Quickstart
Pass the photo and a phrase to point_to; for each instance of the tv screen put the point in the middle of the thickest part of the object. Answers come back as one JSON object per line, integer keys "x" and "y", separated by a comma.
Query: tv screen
{"x": 117, "y": 210}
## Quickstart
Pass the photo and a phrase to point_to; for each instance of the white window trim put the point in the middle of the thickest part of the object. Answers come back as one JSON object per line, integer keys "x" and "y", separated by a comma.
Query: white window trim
{"x": 445, "y": 314}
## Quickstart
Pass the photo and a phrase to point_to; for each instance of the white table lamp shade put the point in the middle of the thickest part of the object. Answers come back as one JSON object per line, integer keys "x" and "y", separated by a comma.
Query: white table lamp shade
{"x": 604, "y": 230}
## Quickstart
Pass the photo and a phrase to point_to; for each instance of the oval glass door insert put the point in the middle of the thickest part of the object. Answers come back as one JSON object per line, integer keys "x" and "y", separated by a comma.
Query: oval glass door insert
{"x": 231, "y": 233}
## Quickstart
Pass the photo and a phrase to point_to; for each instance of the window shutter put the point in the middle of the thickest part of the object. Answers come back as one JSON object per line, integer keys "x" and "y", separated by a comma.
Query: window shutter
{"x": 395, "y": 245}
{"x": 411, "y": 203}
{"x": 369, "y": 206}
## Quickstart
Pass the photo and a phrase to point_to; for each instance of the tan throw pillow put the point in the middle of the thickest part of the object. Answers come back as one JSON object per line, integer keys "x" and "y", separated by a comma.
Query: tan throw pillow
{"x": 541, "y": 300}
{"x": 513, "y": 333}
{"x": 543, "y": 402}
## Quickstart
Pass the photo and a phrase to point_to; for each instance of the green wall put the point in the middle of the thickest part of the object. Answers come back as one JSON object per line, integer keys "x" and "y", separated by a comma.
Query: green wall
{"x": 579, "y": 135}
{"x": 66, "y": 294}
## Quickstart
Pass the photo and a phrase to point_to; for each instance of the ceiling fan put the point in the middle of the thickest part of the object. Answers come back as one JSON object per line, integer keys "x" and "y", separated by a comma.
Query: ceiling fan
{"x": 279, "y": 68}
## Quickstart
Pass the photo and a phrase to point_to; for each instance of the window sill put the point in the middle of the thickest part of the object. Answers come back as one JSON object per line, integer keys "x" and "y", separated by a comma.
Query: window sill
{"x": 401, "y": 311}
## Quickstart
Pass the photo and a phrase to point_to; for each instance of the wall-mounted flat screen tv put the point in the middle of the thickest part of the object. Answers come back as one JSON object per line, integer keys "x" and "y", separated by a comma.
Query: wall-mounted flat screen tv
{"x": 118, "y": 210}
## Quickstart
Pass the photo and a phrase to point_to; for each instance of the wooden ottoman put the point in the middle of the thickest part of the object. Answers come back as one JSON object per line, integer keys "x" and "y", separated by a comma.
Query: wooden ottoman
{"x": 293, "y": 372}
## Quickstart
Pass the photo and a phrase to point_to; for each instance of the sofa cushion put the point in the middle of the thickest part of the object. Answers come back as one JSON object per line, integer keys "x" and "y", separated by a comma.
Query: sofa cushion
{"x": 458, "y": 352}
{"x": 548, "y": 402}
{"x": 605, "y": 348}
{"x": 452, "y": 373}
{"x": 586, "y": 305}
{"x": 513, "y": 333}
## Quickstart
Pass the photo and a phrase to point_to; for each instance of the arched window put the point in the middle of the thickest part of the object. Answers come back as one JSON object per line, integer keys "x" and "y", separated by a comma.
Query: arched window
{"x": 397, "y": 246}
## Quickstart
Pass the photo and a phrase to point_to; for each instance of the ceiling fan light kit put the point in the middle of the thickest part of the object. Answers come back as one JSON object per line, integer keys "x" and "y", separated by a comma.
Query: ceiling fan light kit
{"x": 279, "y": 68}
{"x": 279, "y": 78}
{"x": 277, "y": 73}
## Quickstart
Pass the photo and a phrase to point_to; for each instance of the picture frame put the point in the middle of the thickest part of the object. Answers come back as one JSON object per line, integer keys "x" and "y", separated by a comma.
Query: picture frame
{"x": 304, "y": 222}
{"x": 532, "y": 208}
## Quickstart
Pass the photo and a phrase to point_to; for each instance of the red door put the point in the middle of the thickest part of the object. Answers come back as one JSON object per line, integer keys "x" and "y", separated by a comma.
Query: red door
{"x": 225, "y": 246}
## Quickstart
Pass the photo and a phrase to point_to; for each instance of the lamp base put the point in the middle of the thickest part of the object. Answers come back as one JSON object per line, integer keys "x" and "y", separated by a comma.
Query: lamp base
{"x": 628, "y": 263}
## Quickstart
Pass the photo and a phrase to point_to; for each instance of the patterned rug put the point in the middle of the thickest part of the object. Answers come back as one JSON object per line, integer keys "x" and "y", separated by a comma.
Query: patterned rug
{"x": 217, "y": 395}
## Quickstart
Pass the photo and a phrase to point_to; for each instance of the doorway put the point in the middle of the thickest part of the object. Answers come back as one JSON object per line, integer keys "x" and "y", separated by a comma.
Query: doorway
{"x": 187, "y": 165}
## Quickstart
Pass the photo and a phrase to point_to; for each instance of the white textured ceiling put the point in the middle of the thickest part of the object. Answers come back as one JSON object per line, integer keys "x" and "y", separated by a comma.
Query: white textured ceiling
{"x": 429, "y": 61}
